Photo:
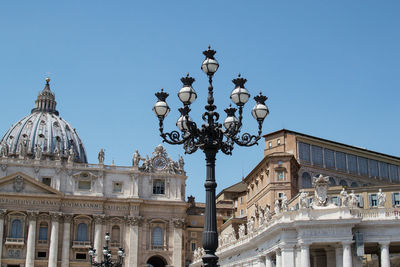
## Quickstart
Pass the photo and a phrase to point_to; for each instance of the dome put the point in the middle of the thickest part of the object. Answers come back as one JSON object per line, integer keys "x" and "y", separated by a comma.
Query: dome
{"x": 43, "y": 134}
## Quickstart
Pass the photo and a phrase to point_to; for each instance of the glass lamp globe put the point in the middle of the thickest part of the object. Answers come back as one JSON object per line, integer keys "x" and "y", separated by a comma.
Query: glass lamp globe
{"x": 161, "y": 109}
{"x": 120, "y": 253}
{"x": 105, "y": 252}
{"x": 230, "y": 122}
{"x": 240, "y": 96}
{"x": 187, "y": 95}
{"x": 260, "y": 111}
{"x": 182, "y": 123}
{"x": 209, "y": 66}
{"x": 91, "y": 252}
{"x": 107, "y": 237}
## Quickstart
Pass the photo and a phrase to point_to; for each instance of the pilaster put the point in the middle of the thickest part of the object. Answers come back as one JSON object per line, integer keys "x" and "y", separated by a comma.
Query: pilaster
{"x": 98, "y": 227}
{"x": 66, "y": 240}
{"x": 3, "y": 212}
{"x": 53, "y": 251}
{"x": 30, "y": 243}
{"x": 385, "y": 256}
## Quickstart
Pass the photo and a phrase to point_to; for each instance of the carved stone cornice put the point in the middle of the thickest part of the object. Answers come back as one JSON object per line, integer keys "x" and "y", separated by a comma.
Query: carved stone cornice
{"x": 32, "y": 214}
{"x": 55, "y": 216}
{"x": 178, "y": 223}
{"x": 99, "y": 218}
{"x": 67, "y": 218}
{"x": 135, "y": 220}
{"x": 3, "y": 213}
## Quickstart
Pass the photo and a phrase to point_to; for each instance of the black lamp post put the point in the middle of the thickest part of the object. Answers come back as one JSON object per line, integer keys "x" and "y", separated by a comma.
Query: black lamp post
{"x": 210, "y": 137}
{"x": 107, "y": 261}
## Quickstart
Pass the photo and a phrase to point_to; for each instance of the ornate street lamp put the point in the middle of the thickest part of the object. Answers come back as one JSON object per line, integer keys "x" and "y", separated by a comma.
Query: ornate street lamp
{"x": 210, "y": 137}
{"x": 107, "y": 262}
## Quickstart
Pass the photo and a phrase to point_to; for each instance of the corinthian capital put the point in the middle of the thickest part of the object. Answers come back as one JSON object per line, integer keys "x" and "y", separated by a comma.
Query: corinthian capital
{"x": 135, "y": 220}
{"x": 67, "y": 218}
{"x": 99, "y": 218}
{"x": 32, "y": 214}
{"x": 3, "y": 213}
{"x": 55, "y": 216}
{"x": 179, "y": 223}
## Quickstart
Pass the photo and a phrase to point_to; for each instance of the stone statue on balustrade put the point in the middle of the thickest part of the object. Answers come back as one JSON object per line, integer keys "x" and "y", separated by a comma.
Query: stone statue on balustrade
{"x": 100, "y": 156}
{"x": 353, "y": 200}
{"x": 277, "y": 206}
{"x": 284, "y": 204}
{"x": 38, "y": 152}
{"x": 381, "y": 199}
{"x": 181, "y": 165}
{"x": 261, "y": 217}
{"x": 136, "y": 159}
{"x": 303, "y": 203}
{"x": 57, "y": 154}
{"x": 4, "y": 150}
{"x": 267, "y": 213}
{"x": 250, "y": 225}
{"x": 344, "y": 198}
{"x": 71, "y": 155}
{"x": 242, "y": 230}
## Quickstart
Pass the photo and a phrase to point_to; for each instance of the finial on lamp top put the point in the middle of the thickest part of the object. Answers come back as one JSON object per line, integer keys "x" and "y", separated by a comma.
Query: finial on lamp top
{"x": 209, "y": 53}
{"x": 47, "y": 80}
{"x": 239, "y": 81}
{"x": 187, "y": 81}
{"x": 260, "y": 98}
{"x": 162, "y": 96}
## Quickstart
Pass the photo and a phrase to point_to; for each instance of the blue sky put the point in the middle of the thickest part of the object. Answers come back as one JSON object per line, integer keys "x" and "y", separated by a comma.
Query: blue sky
{"x": 330, "y": 69}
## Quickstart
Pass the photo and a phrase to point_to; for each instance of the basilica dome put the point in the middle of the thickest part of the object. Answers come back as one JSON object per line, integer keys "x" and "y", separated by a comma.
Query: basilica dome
{"x": 43, "y": 134}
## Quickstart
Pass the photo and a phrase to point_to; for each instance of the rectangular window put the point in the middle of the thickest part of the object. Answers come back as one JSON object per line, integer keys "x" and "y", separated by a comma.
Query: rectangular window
{"x": 117, "y": 187}
{"x": 373, "y": 200}
{"x": 329, "y": 158}
{"x": 280, "y": 175}
{"x": 84, "y": 185}
{"x": 159, "y": 187}
{"x": 193, "y": 246}
{"x": 363, "y": 166}
{"x": 396, "y": 199}
{"x": 269, "y": 144}
{"x": 80, "y": 256}
{"x": 241, "y": 212}
{"x": 373, "y": 168}
{"x": 304, "y": 152}
{"x": 394, "y": 173}
{"x": 280, "y": 195}
{"x": 41, "y": 254}
{"x": 46, "y": 181}
{"x": 241, "y": 200}
{"x": 317, "y": 155}
{"x": 341, "y": 161}
{"x": 279, "y": 142}
{"x": 43, "y": 233}
{"x": 384, "y": 170}
{"x": 352, "y": 163}
{"x": 360, "y": 201}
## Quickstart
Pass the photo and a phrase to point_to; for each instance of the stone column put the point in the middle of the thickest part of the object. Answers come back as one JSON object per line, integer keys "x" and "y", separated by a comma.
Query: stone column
{"x": 279, "y": 259}
{"x": 287, "y": 256}
{"x": 260, "y": 261}
{"x": 347, "y": 257}
{"x": 330, "y": 257}
{"x": 53, "y": 250}
{"x": 98, "y": 227}
{"x": 297, "y": 256}
{"x": 134, "y": 223}
{"x": 177, "y": 251}
{"x": 339, "y": 256}
{"x": 30, "y": 243}
{"x": 66, "y": 244}
{"x": 268, "y": 261}
{"x": 385, "y": 259}
{"x": 305, "y": 255}
{"x": 2, "y": 215}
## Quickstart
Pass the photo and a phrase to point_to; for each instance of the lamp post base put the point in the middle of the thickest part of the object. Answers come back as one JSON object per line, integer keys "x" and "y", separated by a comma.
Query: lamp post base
{"x": 210, "y": 260}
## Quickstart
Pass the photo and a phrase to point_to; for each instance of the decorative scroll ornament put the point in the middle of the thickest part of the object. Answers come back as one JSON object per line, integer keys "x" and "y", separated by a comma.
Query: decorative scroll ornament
{"x": 159, "y": 162}
{"x": 321, "y": 185}
{"x": 179, "y": 223}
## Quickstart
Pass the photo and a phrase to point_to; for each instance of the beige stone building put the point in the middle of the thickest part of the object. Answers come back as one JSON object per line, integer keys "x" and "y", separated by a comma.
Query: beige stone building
{"x": 55, "y": 205}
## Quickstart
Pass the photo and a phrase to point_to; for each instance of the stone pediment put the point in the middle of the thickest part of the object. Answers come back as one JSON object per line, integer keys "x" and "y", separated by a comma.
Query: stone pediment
{"x": 20, "y": 183}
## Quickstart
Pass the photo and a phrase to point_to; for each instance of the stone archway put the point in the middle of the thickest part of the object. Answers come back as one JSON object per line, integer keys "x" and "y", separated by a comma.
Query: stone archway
{"x": 156, "y": 261}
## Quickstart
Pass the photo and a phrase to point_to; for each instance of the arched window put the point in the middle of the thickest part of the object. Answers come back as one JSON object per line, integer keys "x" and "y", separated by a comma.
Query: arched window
{"x": 332, "y": 181}
{"x": 157, "y": 236}
{"x": 306, "y": 180}
{"x": 343, "y": 183}
{"x": 82, "y": 232}
{"x": 16, "y": 228}
{"x": 43, "y": 231}
{"x": 115, "y": 233}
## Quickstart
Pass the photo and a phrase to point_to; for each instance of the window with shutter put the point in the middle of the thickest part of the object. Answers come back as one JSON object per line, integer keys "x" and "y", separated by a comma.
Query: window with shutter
{"x": 384, "y": 170}
{"x": 394, "y": 172}
{"x": 373, "y": 168}
{"x": 341, "y": 161}
{"x": 373, "y": 200}
{"x": 363, "y": 166}
{"x": 317, "y": 155}
{"x": 352, "y": 163}
{"x": 304, "y": 152}
{"x": 329, "y": 158}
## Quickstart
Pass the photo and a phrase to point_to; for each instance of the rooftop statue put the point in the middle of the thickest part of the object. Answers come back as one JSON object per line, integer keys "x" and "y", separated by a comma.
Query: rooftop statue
{"x": 381, "y": 198}
{"x": 100, "y": 156}
{"x": 321, "y": 185}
